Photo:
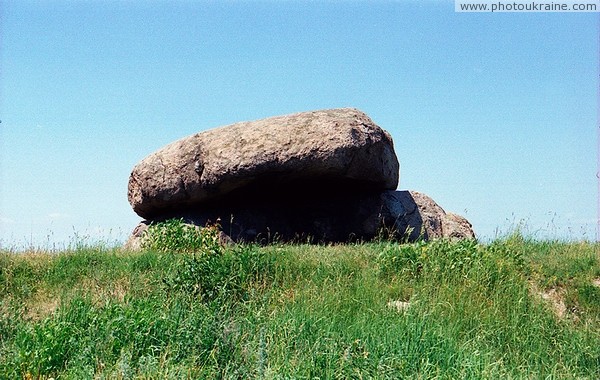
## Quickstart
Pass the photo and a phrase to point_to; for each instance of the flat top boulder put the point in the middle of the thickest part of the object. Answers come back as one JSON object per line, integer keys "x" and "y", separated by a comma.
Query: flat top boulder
{"x": 338, "y": 149}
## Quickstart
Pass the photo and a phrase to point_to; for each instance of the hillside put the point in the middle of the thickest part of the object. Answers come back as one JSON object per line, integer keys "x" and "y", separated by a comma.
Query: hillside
{"x": 513, "y": 308}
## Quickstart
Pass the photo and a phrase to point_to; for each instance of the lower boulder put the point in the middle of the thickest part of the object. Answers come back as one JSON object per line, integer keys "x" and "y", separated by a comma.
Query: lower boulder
{"x": 402, "y": 215}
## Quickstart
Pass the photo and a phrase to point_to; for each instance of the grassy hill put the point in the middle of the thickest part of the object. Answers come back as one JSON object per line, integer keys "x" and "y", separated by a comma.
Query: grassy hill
{"x": 513, "y": 308}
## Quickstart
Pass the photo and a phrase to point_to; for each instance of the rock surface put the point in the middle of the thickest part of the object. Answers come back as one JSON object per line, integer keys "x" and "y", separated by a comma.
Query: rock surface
{"x": 134, "y": 242}
{"x": 322, "y": 151}
{"x": 404, "y": 215}
{"x": 415, "y": 215}
{"x": 456, "y": 226}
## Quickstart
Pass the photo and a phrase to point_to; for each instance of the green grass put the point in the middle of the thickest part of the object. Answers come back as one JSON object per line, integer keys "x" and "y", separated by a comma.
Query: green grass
{"x": 303, "y": 312}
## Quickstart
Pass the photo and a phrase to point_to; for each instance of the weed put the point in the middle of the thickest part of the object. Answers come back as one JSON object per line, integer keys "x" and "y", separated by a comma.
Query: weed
{"x": 302, "y": 311}
{"x": 229, "y": 273}
{"x": 174, "y": 235}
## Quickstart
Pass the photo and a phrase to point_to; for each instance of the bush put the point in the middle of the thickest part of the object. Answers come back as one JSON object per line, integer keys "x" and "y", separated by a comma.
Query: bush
{"x": 175, "y": 235}
{"x": 227, "y": 275}
{"x": 206, "y": 269}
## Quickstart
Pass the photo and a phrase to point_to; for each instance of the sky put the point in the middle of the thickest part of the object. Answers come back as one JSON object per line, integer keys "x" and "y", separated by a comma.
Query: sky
{"x": 493, "y": 115}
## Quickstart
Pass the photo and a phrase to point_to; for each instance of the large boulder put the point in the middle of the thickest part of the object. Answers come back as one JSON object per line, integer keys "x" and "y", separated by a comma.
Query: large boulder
{"x": 324, "y": 152}
{"x": 403, "y": 215}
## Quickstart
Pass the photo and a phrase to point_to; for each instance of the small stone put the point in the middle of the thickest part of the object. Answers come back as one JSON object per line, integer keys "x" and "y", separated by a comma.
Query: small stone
{"x": 399, "y": 306}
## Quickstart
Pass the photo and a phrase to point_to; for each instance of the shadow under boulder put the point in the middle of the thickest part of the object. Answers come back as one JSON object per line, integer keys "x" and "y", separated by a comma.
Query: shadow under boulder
{"x": 402, "y": 215}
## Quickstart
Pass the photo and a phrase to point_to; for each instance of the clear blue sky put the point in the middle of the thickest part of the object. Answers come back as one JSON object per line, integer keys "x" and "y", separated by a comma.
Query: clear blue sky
{"x": 492, "y": 115}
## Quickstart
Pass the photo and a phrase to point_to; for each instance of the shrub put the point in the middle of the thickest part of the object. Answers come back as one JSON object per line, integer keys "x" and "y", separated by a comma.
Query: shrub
{"x": 175, "y": 235}
{"x": 229, "y": 274}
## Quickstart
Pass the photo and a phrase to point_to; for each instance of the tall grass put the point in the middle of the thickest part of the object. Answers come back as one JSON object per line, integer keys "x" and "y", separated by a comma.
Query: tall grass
{"x": 303, "y": 311}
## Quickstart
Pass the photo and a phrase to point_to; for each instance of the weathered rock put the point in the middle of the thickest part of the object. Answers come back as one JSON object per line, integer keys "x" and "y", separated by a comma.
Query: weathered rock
{"x": 456, "y": 226}
{"x": 134, "y": 243}
{"x": 404, "y": 215}
{"x": 326, "y": 151}
{"x": 435, "y": 221}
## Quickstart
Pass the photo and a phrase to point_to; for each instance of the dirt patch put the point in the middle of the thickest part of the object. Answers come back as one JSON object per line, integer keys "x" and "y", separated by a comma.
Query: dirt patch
{"x": 596, "y": 282}
{"x": 41, "y": 306}
{"x": 120, "y": 290}
{"x": 101, "y": 292}
{"x": 554, "y": 297}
